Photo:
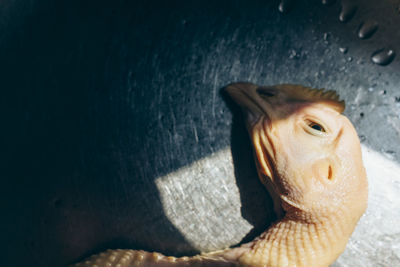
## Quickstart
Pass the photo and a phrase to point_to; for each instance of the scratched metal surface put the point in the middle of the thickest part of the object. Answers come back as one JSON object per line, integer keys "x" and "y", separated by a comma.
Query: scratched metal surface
{"x": 117, "y": 135}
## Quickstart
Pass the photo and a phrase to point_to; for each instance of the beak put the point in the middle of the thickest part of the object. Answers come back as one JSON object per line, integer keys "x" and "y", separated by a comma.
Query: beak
{"x": 247, "y": 96}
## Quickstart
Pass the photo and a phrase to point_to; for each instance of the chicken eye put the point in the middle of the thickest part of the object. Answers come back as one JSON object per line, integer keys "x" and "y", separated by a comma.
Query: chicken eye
{"x": 316, "y": 126}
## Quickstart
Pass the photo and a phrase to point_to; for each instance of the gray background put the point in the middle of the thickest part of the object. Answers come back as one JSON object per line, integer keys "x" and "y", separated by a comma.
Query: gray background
{"x": 115, "y": 132}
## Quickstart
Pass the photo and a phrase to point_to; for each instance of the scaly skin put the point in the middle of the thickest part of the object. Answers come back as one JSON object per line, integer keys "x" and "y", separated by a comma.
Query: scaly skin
{"x": 309, "y": 158}
{"x": 125, "y": 258}
{"x": 292, "y": 242}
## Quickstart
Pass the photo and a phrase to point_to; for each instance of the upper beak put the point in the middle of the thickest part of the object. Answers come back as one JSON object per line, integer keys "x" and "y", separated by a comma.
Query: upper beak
{"x": 247, "y": 96}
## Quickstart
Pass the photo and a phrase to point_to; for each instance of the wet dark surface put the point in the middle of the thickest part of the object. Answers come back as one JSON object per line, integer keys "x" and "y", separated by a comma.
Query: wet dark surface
{"x": 100, "y": 99}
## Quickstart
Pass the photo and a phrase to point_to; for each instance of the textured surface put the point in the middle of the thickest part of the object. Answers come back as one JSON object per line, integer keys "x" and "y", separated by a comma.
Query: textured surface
{"x": 137, "y": 258}
{"x": 101, "y": 99}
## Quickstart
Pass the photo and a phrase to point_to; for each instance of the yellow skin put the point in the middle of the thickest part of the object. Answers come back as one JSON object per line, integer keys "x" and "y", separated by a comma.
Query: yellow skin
{"x": 308, "y": 156}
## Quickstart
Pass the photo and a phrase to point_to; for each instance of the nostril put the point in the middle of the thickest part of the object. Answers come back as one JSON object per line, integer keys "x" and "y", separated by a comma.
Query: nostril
{"x": 330, "y": 172}
{"x": 268, "y": 92}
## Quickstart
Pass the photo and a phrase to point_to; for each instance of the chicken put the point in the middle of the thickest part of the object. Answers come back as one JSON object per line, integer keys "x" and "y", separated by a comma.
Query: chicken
{"x": 309, "y": 158}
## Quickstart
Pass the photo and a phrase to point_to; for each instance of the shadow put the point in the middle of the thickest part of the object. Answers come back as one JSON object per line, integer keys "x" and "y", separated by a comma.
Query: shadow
{"x": 253, "y": 194}
{"x": 81, "y": 151}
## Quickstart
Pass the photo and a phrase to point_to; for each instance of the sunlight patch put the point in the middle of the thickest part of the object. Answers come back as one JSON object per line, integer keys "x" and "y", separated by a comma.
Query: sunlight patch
{"x": 196, "y": 213}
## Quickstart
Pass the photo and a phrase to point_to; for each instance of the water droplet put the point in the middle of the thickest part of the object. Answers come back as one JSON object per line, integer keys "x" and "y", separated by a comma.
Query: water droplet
{"x": 348, "y": 11}
{"x": 367, "y": 29}
{"x": 383, "y": 57}
{"x": 293, "y": 54}
{"x": 397, "y": 99}
{"x": 382, "y": 92}
{"x": 328, "y": 2}
{"x": 343, "y": 49}
{"x": 349, "y": 59}
{"x": 285, "y": 6}
{"x": 326, "y": 37}
{"x": 362, "y": 138}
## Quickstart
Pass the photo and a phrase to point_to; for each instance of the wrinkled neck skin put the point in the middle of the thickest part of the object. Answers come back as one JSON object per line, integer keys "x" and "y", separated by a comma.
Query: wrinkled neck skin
{"x": 300, "y": 239}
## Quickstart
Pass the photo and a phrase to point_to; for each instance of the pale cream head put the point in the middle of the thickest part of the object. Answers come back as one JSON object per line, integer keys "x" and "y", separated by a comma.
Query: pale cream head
{"x": 308, "y": 153}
